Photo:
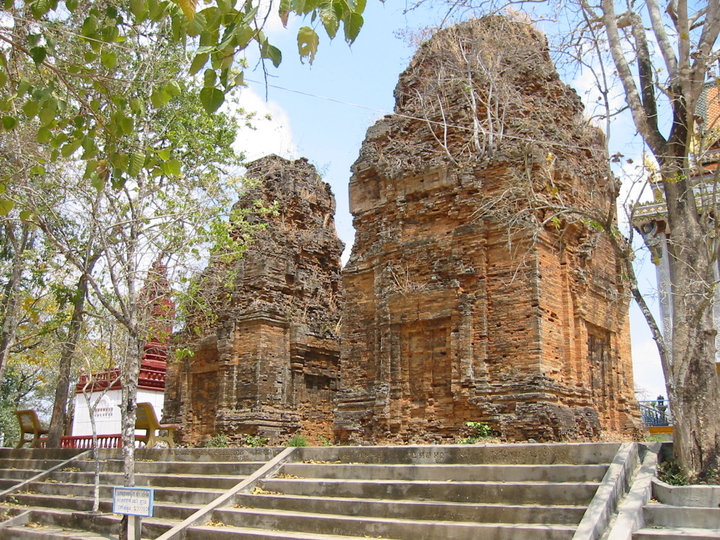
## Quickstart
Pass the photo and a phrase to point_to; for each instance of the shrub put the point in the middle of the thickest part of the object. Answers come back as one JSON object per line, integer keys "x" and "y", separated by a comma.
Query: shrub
{"x": 218, "y": 441}
{"x": 254, "y": 441}
{"x": 480, "y": 430}
{"x": 671, "y": 473}
{"x": 297, "y": 440}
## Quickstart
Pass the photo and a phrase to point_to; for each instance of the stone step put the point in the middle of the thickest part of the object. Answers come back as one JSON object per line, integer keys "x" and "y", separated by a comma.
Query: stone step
{"x": 545, "y": 493}
{"x": 39, "y": 502}
{"x": 196, "y": 496}
{"x": 220, "y": 468}
{"x": 663, "y": 515}
{"x": 190, "y": 481}
{"x": 410, "y": 529}
{"x": 420, "y": 510}
{"x": 675, "y": 533}
{"x": 391, "y": 528}
{"x": 18, "y": 474}
{"x": 19, "y": 454}
{"x": 243, "y": 533}
{"x": 51, "y": 523}
{"x": 201, "y": 455}
{"x": 58, "y": 523}
{"x": 472, "y": 473}
{"x": 29, "y": 464}
{"x": 7, "y": 483}
{"x": 52, "y": 533}
{"x": 506, "y": 454}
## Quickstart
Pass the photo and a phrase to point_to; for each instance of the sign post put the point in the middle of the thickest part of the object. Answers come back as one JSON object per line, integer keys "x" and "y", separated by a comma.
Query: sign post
{"x": 133, "y": 502}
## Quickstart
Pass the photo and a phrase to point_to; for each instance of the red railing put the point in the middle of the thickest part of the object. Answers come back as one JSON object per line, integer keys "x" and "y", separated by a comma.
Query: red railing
{"x": 84, "y": 442}
{"x": 99, "y": 381}
{"x": 149, "y": 378}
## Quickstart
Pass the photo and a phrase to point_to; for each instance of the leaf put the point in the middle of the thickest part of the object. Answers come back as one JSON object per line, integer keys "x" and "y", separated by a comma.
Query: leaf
{"x": 23, "y": 87}
{"x": 211, "y": 99}
{"x": 159, "y": 98}
{"x": 137, "y": 160}
{"x": 284, "y": 11}
{"x": 47, "y": 111}
{"x": 188, "y": 7}
{"x": 137, "y": 105}
{"x": 197, "y": 25}
{"x": 5, "y": 206}
{"x": 198, "y": 63}
{"x": 359, "y": 6}
{"x": 40, "y": 8}
{"x": 97, "y": 182}
{"x": 164, "y": 153}
{"x": 68, "y": 149}
{"x": 71, "y": 5}
{"x": 353, "y": 24}
{"x": 209, "y": 77}
{"x": 9, "y": 122}
{"x": 330, "y": 21}
{"x": 44, "y": 135}
{"x": 108, "y": 59}
{"x": 89, "y": 26}
{"x": 38, "y": 54}
{"x": 156, "y": 9}
{"x": 138, "y": 8}
{"x": 171, "y": 167}
{"x": 3, "y": 77}
{"x": 173, "y": 88}
{"x": 242, "y": 35}
{"x": 119, "y": 161}
{"x": 30, "y": 108}
{"x": 126, "y": 124}
{"x": 271, "y": 52}
{"x": 308, "y": 42}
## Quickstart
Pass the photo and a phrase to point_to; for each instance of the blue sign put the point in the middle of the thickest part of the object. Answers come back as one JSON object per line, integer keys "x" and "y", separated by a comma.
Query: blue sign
{"x": 133, "y": 501}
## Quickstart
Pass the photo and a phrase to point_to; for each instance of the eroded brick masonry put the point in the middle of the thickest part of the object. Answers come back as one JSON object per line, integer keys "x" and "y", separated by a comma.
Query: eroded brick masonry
{"x": 479, "y": 286}
{"x": 265, "y": 350}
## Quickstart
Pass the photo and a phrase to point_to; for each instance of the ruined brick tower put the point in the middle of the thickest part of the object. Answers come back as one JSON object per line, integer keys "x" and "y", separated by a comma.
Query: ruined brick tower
{"x": 477, "y": 288}
{"x": 265, "y": 355}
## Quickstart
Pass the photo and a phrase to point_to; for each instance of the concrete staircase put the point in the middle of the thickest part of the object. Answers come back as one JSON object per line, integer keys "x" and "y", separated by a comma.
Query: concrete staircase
{"x": 58, "y": 505}
{"x": 680, "y": 512}
{"x": 424, "y": 492}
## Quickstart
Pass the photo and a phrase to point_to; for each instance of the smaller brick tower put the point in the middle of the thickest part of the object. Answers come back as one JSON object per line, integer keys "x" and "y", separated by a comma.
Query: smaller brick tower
{"x": 267, "y": 363}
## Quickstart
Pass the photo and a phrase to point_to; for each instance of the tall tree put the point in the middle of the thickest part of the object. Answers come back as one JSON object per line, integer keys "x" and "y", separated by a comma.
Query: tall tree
{"x": 58, "y": 61}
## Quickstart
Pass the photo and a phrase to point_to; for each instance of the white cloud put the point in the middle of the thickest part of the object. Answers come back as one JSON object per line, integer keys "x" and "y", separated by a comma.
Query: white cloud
{"x": 270, "y": 131}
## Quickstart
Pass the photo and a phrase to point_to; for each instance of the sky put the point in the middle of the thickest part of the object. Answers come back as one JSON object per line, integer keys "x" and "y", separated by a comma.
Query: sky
{"x": 322, "y": 111}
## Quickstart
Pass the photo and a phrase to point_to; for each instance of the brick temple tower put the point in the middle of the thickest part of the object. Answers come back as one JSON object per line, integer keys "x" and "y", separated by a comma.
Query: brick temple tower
{"x": 265, "y": 354}
{"x": 474, "y": 291}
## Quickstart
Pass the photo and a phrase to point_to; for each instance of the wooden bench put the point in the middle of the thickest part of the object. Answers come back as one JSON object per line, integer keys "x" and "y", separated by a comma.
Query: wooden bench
{"x": 147, "y": 420}
{"x": 30, "y": 426}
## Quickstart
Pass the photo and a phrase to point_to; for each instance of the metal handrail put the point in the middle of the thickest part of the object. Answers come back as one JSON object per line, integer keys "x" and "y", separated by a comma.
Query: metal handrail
{"x": 655, "y": 413}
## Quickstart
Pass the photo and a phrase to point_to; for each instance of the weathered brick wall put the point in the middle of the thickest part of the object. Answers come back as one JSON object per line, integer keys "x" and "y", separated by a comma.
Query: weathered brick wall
{"x": 470, "y": 294}
{"x": 265, "y": 363}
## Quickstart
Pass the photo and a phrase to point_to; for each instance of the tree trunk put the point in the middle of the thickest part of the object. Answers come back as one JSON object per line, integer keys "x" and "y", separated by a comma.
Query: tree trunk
{"x": 693, "y": 389}
{"x": 693, "y": 384}
{"x": 130, "y": 374}
{"x": 57, "y": 423}
{"x": 10, "y": 306}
